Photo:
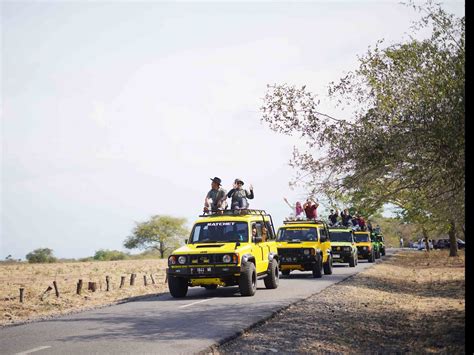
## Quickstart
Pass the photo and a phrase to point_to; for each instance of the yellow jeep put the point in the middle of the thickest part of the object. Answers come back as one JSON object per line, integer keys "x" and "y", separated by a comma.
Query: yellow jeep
{"x": 366, "y": 248}
{"x": 305, "y": 246}
{"x": 234, "y": 247}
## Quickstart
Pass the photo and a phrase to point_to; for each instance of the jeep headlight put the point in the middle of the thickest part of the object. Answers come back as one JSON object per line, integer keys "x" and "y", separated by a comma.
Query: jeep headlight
{"x": 226, "y": 259}
{"x": 182, "y": 260}
{"x": 306, "y": 252}
{"x": 347, "y": 248}
{"x": 365, "y": 248}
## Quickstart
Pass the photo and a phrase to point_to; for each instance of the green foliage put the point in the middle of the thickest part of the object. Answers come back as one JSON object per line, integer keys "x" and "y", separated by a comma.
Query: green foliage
{"x": 41, "y": 255}
{"x": 108, "y": 255}
{"x": 160, "y": 233}
{"x": 404, "y": 143}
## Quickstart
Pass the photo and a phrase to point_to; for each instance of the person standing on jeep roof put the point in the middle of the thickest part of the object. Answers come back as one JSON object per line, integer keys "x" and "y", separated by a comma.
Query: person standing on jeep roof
{"x": 333, "y": 216}
{"x": 216, "y": 197}
{"x": 346, "y": 217}
{"x": 310, "y": 208}
{"x": 239, "y": 195}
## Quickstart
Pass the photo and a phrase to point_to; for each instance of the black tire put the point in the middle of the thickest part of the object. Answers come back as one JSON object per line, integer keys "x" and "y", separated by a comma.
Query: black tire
{"x": 383, "y": 252}
{"x": 271, "y": 281}
{"x": 285, "y": 272}
{"x": 352, "y": 261}
{"x": 371, "y": 258}
{"x": 210, "y": 287}
{"x": 248, "y": 280}
{"x": 317, "y": 269}
{"x": 377, "y": 254}
{"x": 328, "y": 266}
{"x": 178, "y": 286}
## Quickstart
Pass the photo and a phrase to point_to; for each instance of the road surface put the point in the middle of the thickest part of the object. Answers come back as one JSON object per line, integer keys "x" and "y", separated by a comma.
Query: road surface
{"x": 164, "y": 325}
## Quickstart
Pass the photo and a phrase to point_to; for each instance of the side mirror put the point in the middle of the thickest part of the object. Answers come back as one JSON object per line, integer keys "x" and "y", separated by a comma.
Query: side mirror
{"x": 323, "y": 239}
{"x": 257, "y": 239}
{"x": 185, "y": 241}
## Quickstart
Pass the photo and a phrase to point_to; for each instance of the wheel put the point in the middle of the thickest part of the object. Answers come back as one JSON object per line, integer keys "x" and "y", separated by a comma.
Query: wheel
{"x": 371, "y": 258}
{"x": 383, "y": 252}
{"x": 352, "y": 261}
{"x": 271, "y": 281}
{"x": 248, "y": 280}
{"x": 317, "y": 269}
{"x": 328, "y": 266}
{"x": 285, "y": 272}
{"x": 377, "y": 254}
{"x": 210, "y": 287}
{"x": 178, "y": 286}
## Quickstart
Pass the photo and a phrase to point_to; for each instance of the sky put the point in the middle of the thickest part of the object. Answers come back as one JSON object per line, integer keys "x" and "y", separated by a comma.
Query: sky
{"x": 115, "y": 111}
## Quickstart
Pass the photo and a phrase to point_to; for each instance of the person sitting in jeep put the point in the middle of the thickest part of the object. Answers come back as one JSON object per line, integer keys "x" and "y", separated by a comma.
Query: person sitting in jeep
{"x": 239, "y": 195}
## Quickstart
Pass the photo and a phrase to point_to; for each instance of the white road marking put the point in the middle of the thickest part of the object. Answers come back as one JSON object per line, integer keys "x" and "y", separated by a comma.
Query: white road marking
{"x": 33, "y": 350}
{"x": 190, "y": 304}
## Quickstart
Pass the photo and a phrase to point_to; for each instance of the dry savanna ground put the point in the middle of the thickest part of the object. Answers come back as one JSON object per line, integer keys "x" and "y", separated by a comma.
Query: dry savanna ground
{"x": 412, "y": 302}
{"x": 35, "y": 279}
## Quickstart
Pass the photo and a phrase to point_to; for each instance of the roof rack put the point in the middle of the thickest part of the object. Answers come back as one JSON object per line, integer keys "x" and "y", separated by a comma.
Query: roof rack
{"x": 239, "y": 212}
{"x": 311, "y": 221}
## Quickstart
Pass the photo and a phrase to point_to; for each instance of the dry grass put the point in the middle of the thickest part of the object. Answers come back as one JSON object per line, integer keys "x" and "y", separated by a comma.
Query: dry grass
{"x": 35, "y": 278}
{"x": 412, "y": 302}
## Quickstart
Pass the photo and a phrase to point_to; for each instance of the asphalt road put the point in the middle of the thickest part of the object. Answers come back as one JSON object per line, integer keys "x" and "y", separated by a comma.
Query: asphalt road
{"x": 164, "y": 325}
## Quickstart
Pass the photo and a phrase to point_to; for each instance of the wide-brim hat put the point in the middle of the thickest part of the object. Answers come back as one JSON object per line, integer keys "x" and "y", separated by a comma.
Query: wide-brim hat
{"x": 217, "y": 180}
{"x": 238, "y": 180}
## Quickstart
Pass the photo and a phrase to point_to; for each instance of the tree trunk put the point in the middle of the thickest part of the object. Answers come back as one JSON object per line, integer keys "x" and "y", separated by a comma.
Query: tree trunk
{"x": 162, "y": 250}
{"x": 453, "y": 244}
{"x": 426, "y": 240}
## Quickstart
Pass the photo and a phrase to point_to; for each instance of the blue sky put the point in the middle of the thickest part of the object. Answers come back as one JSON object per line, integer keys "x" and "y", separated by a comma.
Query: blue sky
{"x": 116, "y": 111}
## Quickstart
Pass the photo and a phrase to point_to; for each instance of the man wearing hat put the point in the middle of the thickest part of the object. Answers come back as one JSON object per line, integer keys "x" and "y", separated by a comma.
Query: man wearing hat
{"x": 216, "y": 197}
{"x": 239, "y": 195}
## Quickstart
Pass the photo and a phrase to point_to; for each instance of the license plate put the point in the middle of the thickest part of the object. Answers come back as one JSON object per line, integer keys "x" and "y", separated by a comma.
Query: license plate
{"x": 201, "y": 270}
{"x": 336, "y": 256}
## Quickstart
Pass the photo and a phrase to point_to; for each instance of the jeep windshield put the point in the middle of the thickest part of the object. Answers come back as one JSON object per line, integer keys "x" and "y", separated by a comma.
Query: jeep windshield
{"x": 340, "y": 236}
{"x": 214, "y": 232}
{"x": 297, "y": 234}
{"x": 361, "y": 238}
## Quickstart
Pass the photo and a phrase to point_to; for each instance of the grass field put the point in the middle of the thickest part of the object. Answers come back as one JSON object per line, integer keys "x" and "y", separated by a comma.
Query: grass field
{"x": 35, "y": 279}
{"x": 413, "y": 303}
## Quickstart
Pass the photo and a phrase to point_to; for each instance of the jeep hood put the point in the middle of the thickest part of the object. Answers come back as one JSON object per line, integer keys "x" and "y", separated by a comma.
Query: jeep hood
{"x": 204, "y": 248}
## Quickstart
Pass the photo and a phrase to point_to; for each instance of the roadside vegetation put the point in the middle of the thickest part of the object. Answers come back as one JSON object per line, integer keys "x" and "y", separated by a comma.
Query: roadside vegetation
{"x": 403, "y": 140}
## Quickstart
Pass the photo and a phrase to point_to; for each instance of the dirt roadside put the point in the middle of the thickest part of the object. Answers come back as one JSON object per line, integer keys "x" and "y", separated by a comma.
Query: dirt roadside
{"x": 412, "y": 302}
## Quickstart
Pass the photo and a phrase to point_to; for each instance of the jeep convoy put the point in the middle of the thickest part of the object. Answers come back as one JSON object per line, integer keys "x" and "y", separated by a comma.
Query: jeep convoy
{"x": 238, "y": 247}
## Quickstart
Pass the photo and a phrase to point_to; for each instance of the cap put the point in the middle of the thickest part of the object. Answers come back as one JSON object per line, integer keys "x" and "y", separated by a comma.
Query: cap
{"x": 238, "y": 180}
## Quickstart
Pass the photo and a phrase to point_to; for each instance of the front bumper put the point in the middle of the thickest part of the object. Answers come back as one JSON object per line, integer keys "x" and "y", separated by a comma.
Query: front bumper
{"x": 364, "y": 254}
{"x": 203, "y": 271}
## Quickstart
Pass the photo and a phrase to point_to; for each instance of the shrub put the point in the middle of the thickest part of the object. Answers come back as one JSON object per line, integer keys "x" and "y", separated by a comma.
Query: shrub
{"x": 41, "y": 255}
{"x": 109, "y": 255}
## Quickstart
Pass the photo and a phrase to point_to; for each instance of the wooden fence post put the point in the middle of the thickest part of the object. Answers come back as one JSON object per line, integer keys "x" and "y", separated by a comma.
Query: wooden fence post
{"x": 107, "y": 280}
{"x": 144, "y": 280}
{"x": 152, "y": 279}
{"x": 92, "y": 286}
{"x": 79, "y": 287}
{"x": 122, "y": 281}
{"x": 21, "y": 294}
{"x": 56, "y": 288}
{"x": 132, "y": 279}
{"x": 45, "y": 292}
